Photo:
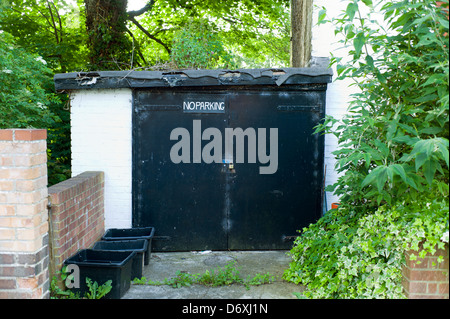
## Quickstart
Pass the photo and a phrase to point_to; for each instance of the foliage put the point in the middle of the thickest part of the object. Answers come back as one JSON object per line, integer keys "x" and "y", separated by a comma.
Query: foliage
{"x": 197, "y": 46}
{"x": 61, "y": 40}
{"x": 95, "y": 291}
{"x": 258, "y": 33}
{"x": 354, "y": 255}
{"x": 27, "y": 100}
{"x": 91, "y": 34}
{"x": 57, "y": 293}
{"x": 255, "y": 32}
{"x": 24, "y": 100}
{"x": 392, "y": 155}
{"x": 109, "y": 46}
{"x": 400, "y": 115}
{"x": 58, "y": 148}
{"x": 221, "y": 276}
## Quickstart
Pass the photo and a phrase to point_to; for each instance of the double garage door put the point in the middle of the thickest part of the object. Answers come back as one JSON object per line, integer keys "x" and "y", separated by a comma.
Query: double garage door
{"x": 234, "y": 169}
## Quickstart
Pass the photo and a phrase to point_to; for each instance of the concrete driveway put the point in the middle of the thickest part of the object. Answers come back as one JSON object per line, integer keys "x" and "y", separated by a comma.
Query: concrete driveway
{"x": 248, "y": 263}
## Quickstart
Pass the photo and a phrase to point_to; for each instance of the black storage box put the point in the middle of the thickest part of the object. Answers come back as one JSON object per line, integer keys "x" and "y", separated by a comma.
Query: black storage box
{"x": 130, "y": 234}
{"x": 138, "y": 245}
{"x": 101, "y": 266}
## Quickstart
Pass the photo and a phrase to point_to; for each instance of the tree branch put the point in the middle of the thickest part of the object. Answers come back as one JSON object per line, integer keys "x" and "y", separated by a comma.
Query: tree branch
{"x": 53, "y": 22}
{"x": 147, "y": 7}
{"x": 60, "y": 22}
{"x": 132, "y": 19}
{"x": 138, "y": 49}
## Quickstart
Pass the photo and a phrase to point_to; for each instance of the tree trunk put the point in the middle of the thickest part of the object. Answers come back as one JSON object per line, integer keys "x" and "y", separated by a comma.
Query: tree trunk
{"x": 110, "y": 48}
{"x": 301, "y": 34}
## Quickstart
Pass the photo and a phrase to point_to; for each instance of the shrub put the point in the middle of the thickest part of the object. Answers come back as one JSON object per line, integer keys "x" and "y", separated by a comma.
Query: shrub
{"x": 28, "y": 100}
{"x": 392, "y": 154}
{"x": 24, "y": 78}
{"x": 393, "y": 143}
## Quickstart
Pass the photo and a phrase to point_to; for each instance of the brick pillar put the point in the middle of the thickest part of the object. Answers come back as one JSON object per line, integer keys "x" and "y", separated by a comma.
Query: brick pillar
{"x": 425, "y": 278}
{"x": 23, "y": 214}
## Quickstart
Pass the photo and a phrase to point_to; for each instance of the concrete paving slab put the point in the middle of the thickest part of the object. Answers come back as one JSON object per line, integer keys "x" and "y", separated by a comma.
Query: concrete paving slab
{"x": 248, "y": 263}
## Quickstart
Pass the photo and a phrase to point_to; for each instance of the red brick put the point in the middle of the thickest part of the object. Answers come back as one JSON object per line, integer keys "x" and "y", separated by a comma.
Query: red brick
{"x": 30, "y": 283}
{"x": 426, "y": 296}
{"x": 6, "y": 135}
{"x": 30, "y": 135}
{"x": 443, "y": 288}
{"x": 427, "y": 275}
{"x": 417, "y": 287}
{"x": 7, "y": 284}
{"x": 432, "y": 288}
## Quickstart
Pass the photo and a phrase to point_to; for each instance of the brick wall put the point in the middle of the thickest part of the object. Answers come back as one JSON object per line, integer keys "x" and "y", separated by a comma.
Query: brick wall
{"x": 76, "y": 216}
{"x": 23, "y": 214}
{"x": 427, "y": 279}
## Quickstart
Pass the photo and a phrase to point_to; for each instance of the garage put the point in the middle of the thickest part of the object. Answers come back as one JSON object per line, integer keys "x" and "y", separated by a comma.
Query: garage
{"x": 222, "y": 160}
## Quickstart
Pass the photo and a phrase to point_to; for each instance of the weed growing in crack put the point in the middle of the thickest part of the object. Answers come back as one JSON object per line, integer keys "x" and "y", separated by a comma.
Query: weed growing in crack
{"x": 220, "y": 276}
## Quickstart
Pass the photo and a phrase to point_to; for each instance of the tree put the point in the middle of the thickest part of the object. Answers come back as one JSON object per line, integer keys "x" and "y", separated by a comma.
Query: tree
{"x": 28, "y": 60}
{"x": 301, "y": 35}
{"x": 252, "y": 30}
{"x": 52, "y": 29}
{"x": 109, "y": 45}
{"x": 93, "y": 34}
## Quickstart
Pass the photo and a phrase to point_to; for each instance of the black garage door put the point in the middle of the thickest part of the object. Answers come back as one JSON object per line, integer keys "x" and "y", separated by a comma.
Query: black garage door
{"x": 227, "y": 168}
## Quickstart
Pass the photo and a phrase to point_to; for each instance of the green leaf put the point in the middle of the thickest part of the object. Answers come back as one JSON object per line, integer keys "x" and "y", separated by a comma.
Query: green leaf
{"x": 358, "y": 43}
{"x": 406, "y": 139}
{"x": 442, "y": 148}
{"x": 351, "y": 10}
{"x": 382, "y": 178}
{"x": 322, "y": 16}
{"x": 382, "y": 147}
{"x": 420, "y": 160}
{"x": 431, "y": 130}
{"x": 429, "y": 169}
{"x": 426, "y": 98}
{"x": 399, "y": 170}
{"x": 379, "y": 174}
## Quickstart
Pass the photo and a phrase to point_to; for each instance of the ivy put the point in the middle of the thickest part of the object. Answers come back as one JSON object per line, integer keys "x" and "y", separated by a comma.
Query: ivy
{"x": 354, "y": 255}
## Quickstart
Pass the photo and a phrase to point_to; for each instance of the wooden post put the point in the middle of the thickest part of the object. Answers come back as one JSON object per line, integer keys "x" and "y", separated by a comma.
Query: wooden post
{"x": 301, "y": 35}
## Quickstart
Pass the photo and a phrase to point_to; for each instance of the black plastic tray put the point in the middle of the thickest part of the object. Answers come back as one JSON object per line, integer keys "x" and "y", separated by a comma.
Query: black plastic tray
{"x": 137, "y": 245}
{"x": 101, "y": 266}
{"x": 130, "y": 234}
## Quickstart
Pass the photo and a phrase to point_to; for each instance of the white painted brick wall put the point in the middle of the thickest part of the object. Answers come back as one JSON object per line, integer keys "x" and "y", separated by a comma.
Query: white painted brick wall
{"x": 324, "y": 41}
{"x": 101, "y": 141}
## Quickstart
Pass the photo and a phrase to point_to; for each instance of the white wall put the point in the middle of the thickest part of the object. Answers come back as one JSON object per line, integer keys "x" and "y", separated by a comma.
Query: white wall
{"x": 101, "y": 141}
{"x": 324, "y": 42}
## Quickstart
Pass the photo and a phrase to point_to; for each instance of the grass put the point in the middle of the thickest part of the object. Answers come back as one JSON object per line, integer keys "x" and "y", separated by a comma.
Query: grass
{"x": 220, "y": 276}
